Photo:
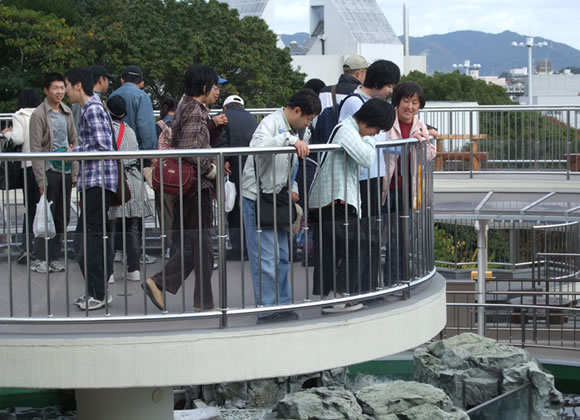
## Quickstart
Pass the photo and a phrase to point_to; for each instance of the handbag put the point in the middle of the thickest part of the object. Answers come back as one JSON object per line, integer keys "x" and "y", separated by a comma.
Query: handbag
{"x": 283, "y": 207}
{"x": 229, "y": 194}
{"x": 43, "y": 224}
{"x": 122, "y": 185}
{"x": 168, "y": 170}
{"x": 15, "y": 177}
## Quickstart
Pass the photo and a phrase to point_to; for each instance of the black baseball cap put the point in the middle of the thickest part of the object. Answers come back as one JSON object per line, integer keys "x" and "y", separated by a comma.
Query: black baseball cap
{"x": 133, "y": 71}
{"x": 98, "y": 71}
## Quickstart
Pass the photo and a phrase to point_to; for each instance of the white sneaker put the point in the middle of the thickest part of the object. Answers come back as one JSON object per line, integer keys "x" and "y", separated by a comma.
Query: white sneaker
{"x": 341, "y": 308}
{"x": 91, "y": 303}
{"x": 134, "y": 276}
{"x": 40, "y": 267}
{"x": 148, "y": 259}
{"x": 168, "y": 253}
{"x": 56, "y": 267}
{"x": 111, "y": 279}
{"x": 79, "y": 300}
{"x": 118, "y": 256}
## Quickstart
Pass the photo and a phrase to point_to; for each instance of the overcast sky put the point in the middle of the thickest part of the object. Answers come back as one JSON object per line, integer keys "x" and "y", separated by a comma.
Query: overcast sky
{"x": 558, "y": 20}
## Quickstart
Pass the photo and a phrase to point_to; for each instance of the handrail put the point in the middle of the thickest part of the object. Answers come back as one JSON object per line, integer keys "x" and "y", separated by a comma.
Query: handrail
{"x": 420, "y": 248}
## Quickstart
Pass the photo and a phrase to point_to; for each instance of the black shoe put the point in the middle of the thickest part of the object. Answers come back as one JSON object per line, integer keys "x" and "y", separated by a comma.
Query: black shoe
{"x": 22, "y": 258}
{"x": 278, "y": 317}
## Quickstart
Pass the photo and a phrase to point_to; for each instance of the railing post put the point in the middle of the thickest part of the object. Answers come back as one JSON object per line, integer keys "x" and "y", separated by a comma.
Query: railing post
{"x": 471, "y": 144}
{"x": 568, "y": 151}
{"x": 222, "y": 272}
{"x": 481, "y": 228}
{"x": 406, "y": 183}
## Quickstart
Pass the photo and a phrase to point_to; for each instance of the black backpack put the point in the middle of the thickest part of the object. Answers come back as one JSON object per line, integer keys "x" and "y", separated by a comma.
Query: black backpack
{"x": 328, "y": 119}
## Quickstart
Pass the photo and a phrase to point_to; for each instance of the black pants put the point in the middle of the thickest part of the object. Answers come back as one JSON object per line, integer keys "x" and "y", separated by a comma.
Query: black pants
{"x": 370, "y": 201}
{"x": 132, "y": 231}
{"x": 60, "y": 213}
{"x": 30, "y": 202}
{"x": 348, "y": 260}
{"x": 93, "y": 236}
{"x": 170, "y": 278}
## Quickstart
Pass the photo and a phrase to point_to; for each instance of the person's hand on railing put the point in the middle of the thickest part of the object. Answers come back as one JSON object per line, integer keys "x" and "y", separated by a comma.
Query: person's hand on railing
{"x": 302, "y": 149}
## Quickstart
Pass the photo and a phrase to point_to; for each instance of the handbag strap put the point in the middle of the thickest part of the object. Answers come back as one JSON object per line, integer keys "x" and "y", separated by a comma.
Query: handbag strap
{"x": 120, "y": 136}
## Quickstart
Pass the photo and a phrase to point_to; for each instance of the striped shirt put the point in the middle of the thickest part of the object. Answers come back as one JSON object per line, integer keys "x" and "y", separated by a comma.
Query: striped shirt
{"x": 337, "y": 178}
{"x": 95, "y": 135}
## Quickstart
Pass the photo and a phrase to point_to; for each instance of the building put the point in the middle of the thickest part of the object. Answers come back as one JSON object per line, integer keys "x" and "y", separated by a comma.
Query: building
{"x": 338, "y": 29}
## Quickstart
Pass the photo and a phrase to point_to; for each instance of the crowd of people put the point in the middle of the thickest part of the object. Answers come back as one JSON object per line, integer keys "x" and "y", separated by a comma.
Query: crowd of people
{"x": 339, "y": 191}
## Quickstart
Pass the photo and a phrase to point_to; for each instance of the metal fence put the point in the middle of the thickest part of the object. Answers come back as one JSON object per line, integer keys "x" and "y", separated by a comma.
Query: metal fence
{"x": 506, "y": 138}
{"x": 402, "y": 224}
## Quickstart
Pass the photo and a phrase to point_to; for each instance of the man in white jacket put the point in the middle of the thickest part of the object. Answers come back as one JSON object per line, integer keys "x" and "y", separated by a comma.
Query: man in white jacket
{"x": 272, "y": 263}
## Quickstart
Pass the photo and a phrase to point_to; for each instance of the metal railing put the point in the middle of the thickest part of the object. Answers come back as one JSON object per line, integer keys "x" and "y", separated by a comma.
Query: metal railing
{"x": 507, "y": 138}
{"x": 404, "y": 227}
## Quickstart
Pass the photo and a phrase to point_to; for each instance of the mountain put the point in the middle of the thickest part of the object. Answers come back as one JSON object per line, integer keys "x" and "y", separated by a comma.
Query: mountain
{"x": 493, "y": 51}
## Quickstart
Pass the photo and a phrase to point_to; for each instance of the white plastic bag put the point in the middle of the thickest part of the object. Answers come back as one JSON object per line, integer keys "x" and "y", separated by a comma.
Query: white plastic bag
{"x": 230, "y": 194}
{"x": 43, "y": 225}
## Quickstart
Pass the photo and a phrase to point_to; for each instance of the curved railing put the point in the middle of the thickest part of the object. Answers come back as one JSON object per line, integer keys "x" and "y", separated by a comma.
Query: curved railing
{"x": 46, "y": 298}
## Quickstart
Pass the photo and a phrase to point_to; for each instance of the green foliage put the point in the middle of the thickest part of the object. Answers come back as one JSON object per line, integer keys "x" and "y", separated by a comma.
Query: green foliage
{"x": 164, "y": 37}
{"x": 32, "y": 43}
{"x": 457, "y": 87}
{"x": 66, "y": 9}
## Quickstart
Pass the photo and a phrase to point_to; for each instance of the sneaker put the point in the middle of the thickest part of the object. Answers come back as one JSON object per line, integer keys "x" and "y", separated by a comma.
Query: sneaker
{"x": 91, "y": 303}
{"x": 56, "y": 267}
{"x": 168, "y": 253}
{"x": 134, "y": 276}
{"x": 278, "y": 317}
{"x": 341, "y": 308}
{"x": 148, "y": 259}
{"x": 40, "y": 266}
{"x": 79, "y": 300}
{"x": 119, "y": 256}
{"x": 111, "y": 279}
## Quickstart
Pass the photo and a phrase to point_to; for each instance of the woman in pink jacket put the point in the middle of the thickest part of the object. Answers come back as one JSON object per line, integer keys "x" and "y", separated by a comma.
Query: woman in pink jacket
{"x": 408, "y": 99}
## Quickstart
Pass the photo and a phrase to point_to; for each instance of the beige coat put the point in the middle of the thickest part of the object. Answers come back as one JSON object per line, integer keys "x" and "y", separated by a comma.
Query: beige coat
{"x": 42, "y": 138}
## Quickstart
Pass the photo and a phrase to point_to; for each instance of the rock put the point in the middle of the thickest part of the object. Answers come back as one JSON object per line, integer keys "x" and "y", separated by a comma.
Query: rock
{"x": 473, "y": 369}
{"x": 320, "y": 404}
{"x": 333, "y": 377}
{"x": 430, "y": 412}
{"x": 398, "y": 397}
{"x": 208, "y": 413}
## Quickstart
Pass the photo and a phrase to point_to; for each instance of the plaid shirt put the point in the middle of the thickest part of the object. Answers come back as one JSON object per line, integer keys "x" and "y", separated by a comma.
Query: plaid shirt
{"x": 189, "y": 131}
{"x": 95, "y": 135}
{"x": 342, "y": 184}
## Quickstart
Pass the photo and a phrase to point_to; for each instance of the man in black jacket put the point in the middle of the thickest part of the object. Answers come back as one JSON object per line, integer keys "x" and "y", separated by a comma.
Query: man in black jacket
{"x": 354, "y": 72}
{"x": 237, "y": 133}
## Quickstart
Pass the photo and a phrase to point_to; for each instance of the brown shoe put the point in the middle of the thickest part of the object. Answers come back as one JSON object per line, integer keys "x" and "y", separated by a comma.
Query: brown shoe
{"x": 154, "y": 294}
{"x": 207, "y": 308}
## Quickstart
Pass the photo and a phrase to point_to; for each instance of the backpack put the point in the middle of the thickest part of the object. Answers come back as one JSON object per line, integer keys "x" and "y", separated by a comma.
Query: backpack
{"x": 327, "y": 120}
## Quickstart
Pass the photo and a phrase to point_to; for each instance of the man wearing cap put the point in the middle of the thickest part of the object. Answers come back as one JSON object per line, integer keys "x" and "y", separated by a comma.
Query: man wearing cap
{"x": 354, "y": 72}
{"x": 101, "y": 79}
{"x": 139, "y": 107}
{"x": 237, "y": 133}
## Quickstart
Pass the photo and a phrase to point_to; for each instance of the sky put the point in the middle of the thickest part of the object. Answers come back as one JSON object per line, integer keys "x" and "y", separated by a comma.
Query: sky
{"x": 557, "y": 20}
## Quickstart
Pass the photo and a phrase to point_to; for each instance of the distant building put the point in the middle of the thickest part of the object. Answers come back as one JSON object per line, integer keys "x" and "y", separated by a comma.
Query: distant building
{"x": 338, "y": 29}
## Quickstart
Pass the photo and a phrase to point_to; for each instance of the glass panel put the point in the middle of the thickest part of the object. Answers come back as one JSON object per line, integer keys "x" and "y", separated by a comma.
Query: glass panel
{"x": 509, "y": 406}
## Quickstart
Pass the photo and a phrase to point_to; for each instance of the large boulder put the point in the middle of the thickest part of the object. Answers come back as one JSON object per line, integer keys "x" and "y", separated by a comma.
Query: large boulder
{"x": 407, "y": 400}
{"x": 320, "y": 404}
{"x": 473, "y": 369}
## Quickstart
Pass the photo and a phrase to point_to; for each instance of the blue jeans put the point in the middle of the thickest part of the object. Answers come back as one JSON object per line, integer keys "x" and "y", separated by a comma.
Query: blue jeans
{"x": 268, "y": 265}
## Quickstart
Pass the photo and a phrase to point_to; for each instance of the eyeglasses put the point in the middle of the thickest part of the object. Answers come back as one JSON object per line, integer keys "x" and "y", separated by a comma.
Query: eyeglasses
{"x": 216, "y": 87}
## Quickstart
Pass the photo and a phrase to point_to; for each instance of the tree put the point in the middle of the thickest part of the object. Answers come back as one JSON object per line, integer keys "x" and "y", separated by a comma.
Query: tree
{"x": 164, "y": 37}
{"x": 457, "y": 87}
{"x": 32, "y": 43}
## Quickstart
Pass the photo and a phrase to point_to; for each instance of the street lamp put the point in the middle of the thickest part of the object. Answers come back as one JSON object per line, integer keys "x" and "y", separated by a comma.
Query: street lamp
{"x": 467, "y": 66}
{"x": 529, "y": 44}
